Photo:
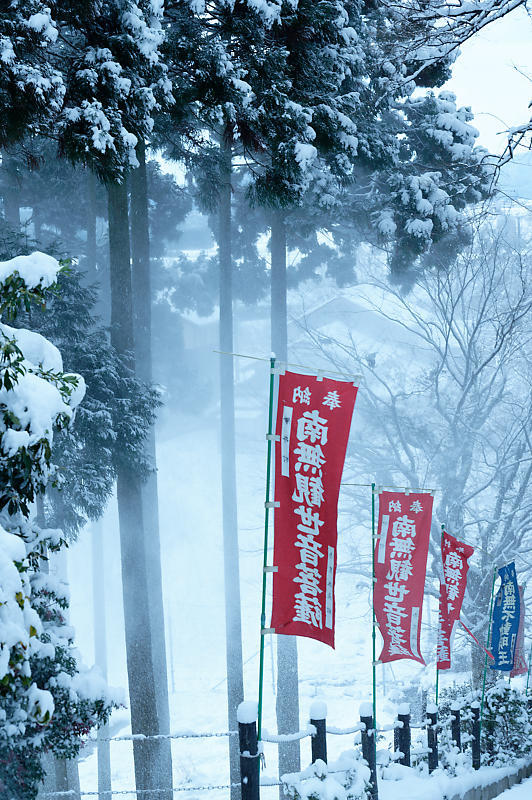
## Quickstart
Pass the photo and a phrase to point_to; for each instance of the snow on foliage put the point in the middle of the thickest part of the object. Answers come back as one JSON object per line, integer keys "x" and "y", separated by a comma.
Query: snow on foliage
{"x": 48, "y": 699}
{"x": 346, "y": 779}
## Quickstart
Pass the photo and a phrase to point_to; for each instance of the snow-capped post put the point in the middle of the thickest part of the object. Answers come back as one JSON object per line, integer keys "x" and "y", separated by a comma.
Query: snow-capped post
{"x": 475, "y": 743}
{"x": 403, "y": 736}
{"x": 249, "y": 752}
{"x": 318, "y": 718}
{"x": 455, "y": 725}
{"x": 369, "y": 751}
{"x": 432, "y": 736}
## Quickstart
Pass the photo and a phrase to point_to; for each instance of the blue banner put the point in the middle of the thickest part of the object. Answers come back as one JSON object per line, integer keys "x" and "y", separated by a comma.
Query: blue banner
{"x": 505, "y": 623}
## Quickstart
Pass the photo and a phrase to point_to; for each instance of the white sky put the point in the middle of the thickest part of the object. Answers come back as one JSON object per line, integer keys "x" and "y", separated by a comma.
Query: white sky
{"x": 486, "y": 77}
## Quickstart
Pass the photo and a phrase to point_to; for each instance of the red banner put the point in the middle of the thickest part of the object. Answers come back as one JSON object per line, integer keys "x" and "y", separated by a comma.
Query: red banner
{"x": 312, "y": 429}
{"x": 520, "y": 665}
{"x": 401, "y": 551}
{"x": 454, "y": 555}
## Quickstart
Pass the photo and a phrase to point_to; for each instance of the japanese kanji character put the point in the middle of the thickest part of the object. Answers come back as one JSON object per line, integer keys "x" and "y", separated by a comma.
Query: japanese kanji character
{"x": 453, "y": 560}
{"x": 302, "y": 491}
{"x": 403, "y": 526}
{"x": 394, "y": 612}
{"x": 399, "y": 570}
{"x": 452, "y": 575}
{"x": 309, "y": 456}
{"x": 452, "y": 591}
{"x": 396, "y": 591}
{"x": 394, "y": 505}
{"x": 310, "y": 549}
{"x": 301, "y": 395}
{"x": 310, "y": 521}
{"x": 308, "y": 610}
{"x": 309, "y": 578}
{"x": 316, "y": 491}
{"x": 332, "y": 400}
{"x": 402, "y": 547}
{"x": 416, "y": 507}
{"x": 313, "y": 427}
{"x": 308, "y": 490}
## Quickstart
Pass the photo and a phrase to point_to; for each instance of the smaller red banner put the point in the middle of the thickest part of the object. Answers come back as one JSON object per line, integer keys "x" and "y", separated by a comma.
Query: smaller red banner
{"x": 455, "y": 556}
{"x": 520, "y": 665}
{"x": 400, "y": 560}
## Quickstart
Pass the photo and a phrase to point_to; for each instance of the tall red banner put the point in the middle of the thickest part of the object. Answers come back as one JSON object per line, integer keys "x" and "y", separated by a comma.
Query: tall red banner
{"x": 455, "y": 556}
{"x": 401, "y": 551}
{"x": 312, "y": 429}
{"x": 520, "y": 665}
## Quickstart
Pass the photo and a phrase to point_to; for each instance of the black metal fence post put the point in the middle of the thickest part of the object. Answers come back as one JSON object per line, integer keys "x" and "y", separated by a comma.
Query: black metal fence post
{"x": 369, "y": 747}
{"x": 455, "y": 725}
{"x": 318, "y": 718}
{"x": 249, "y": 754}
{"x": 402, "y": 740}
{"x": 432, "y": 736}
{"x": 475, "y": 744}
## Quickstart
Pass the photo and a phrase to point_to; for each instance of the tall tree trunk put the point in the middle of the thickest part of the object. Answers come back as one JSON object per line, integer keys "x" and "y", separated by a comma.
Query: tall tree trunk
{"x": 11, "y": 192}
{"x": 90, "y": 254}
{"x": 287, "y": 700}
{"x": 141, "y": 284}
{"x": 100, "y": 651}
{"x": 141, "y": 675}
{"x": 233, "y": 628}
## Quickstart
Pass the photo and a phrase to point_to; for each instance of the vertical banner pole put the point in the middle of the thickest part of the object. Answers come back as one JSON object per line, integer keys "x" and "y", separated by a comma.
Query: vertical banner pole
{"x": 439, "y": 620}
{"x": 265, "y": 553}
{"x": 487, "y": 648}
{"x": 528, "y": 674}
{"x": 374, "y": 665}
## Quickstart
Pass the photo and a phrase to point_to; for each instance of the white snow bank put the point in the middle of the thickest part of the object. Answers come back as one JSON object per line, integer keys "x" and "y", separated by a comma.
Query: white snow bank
{"x": 406, "y": 784}
{"x": 35, "y": 269}
{"x": 404, "y": 709}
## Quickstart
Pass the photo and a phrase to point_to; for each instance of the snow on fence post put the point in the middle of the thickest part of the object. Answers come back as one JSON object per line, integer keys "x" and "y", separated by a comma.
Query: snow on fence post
{"x": 369, "y": 747}
{"x": 432, "y": 736}
{"x": 475, "y": 744}
{"x": 318, "y": 718}
{"x": 249, "y": 753}
{"x": 402, "y": 736}
{"x": 455, "y": 725}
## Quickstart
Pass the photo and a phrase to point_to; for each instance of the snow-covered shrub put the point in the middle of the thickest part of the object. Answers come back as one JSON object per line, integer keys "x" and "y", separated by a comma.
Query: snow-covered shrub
{"x": 457, "y": 698}
{"x": 346, "y": 779}
{"x": 47, "y": 701}
{"x": 506, "y": 726}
